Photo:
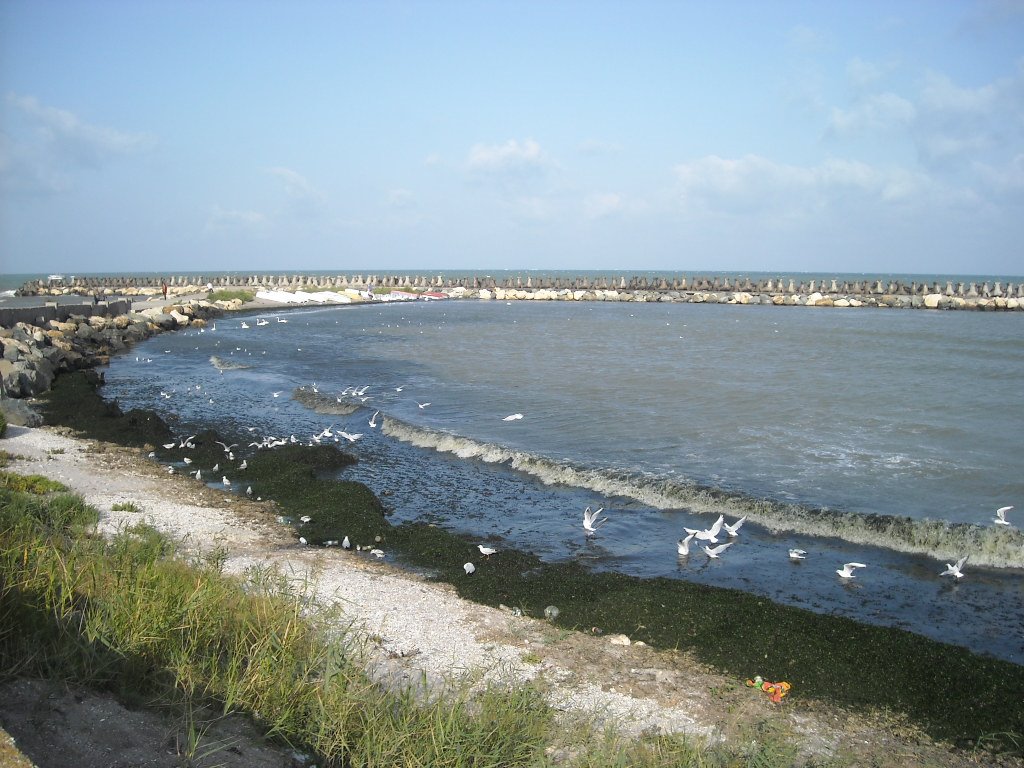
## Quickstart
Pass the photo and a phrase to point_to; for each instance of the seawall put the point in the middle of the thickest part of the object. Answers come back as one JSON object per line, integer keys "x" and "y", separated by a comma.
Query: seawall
{"x": 947, "y": 294}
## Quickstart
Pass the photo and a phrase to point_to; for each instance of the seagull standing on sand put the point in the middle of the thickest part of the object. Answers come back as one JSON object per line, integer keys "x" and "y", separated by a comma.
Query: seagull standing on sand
{"x": 954, "y": 570}
{"x": 714, "y": 552}
{"x": 797, "y": 554}
{"x": 683, "y": 546}
{"x": 591, "y": 521}
{"x": 1000, "y": 518}
{"x": 346, "y": 544}
{"x": 847, "y": 570}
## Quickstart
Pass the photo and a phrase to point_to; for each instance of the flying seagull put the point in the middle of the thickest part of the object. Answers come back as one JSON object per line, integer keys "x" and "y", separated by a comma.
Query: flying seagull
{"x": 797, "y": 554}
{"x": 954, "y": 570}
{"x": 683, "y": 546}
{"x": 714, "y": 552}
{"x": 734, "y": 529}
{"x": 847, "y": 570}
{"x": 421, "y": 405}
{"x": 513, "y": 417}
{"x": 591, "y": 521}
{"x": 1000, "y": 518}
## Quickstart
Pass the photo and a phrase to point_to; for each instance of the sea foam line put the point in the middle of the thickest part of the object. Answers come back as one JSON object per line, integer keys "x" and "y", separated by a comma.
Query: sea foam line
{"x": 987, "y": 545}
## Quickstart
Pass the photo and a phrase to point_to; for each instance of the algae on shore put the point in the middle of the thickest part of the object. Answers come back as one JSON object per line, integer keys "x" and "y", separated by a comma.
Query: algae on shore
{"x": 825, "y": 657}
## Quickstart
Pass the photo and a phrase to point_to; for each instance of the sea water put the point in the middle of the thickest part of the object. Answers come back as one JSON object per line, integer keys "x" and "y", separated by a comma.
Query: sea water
{"x": 887, "y": 437}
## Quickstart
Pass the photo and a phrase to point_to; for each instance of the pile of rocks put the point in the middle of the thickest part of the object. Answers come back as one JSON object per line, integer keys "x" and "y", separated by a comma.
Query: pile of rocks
{"x": 33, "y": 355}
{"x": 815, "y": 299}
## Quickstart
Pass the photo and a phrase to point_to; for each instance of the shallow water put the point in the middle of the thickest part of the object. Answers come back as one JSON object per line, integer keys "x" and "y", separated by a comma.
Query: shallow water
{"x": 903, "y": 425}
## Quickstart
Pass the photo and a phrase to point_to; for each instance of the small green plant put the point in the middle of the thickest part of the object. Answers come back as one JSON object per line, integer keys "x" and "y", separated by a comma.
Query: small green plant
{"x": 125, "y": 506}
{"x": 3, "y": 424}
{"x": 55, "y": 451}
{"x": 531, "y": 658}
{"x": 226, "y": 295}
{"x": 35, "y": 484}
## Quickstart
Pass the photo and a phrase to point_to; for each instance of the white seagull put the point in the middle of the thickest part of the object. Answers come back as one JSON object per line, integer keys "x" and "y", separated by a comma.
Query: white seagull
{"x": 277, "y": 394}
{"x": 683, "y": 545}
{"x": 1000, "y": 518}
{"x": 486, "y": 551}
{"x": 954, "y": 570}
{"x": 847, "y": 570}
{"x": 346, "y": 544}
{"x": 373, "y": 420}
{"x": 350, "y": 437}
{"x": 225, "y": 481}
{"x": 734, "y": 529}
{"x": 513, "y": 417}
{"x": 797, "y": 554}
{"x": 591, "y": 521}
{"x": 469, "y": 568}
{"x": 714, "y": 552}
{"x": 421, "y": 405}
{"x": 709, "y": 534}
{"x": 306, "y": 519}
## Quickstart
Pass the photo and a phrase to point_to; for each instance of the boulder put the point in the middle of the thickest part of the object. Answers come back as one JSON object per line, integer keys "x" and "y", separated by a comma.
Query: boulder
{"x": 17, "y": 412}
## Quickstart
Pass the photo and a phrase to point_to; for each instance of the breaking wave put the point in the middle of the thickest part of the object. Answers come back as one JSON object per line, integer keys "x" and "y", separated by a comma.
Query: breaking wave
{"x": 994, "y": 546}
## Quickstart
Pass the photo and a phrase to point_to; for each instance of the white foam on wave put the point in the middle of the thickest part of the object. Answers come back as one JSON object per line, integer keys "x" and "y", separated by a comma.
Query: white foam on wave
{"x": 1002, "y": 548}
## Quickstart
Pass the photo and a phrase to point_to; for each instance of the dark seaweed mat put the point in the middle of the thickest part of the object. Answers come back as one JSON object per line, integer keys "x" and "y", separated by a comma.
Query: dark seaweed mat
{"x": 951, "y": 693}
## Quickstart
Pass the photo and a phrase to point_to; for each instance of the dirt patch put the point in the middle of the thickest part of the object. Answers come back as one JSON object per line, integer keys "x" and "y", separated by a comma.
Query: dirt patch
{"x": 60, "y": 727}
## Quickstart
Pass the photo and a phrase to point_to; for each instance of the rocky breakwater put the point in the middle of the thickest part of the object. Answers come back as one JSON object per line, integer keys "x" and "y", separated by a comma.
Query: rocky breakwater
{"x": 33, "y": 355}
{"x": 973, "y": 300}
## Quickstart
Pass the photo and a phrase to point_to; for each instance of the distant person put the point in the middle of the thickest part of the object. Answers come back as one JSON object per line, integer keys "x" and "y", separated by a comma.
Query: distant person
{"x": 164, "y": 289}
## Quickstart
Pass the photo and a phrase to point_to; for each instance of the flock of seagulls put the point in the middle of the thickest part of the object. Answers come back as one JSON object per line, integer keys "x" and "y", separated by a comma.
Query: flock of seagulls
{"x": 711, "y": 534}
{"x": 592, "y": 519}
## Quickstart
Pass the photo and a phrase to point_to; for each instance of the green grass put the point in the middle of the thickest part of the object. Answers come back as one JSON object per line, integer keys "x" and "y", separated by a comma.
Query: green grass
{"x": 228, "y": 295}
{"x": 129, "y": 616}
{"x": 859, "y": 666}
{"x": 3, "y": 424}
{"x": 125, "y": 506}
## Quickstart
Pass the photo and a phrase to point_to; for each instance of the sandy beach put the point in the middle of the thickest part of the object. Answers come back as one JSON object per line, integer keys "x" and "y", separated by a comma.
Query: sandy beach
{"x": 409, "y": 630}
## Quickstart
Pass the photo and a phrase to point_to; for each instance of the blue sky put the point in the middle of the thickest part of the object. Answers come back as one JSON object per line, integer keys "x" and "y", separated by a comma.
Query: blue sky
{"x": 737, "y": 136}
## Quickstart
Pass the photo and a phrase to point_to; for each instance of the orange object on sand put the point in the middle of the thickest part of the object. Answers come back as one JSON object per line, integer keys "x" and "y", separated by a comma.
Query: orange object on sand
{"x": 775, "y": 691}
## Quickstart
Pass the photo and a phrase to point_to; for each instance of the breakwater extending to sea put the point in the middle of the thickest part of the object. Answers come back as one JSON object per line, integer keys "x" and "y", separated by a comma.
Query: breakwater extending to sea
{"x": 822, "y": 292}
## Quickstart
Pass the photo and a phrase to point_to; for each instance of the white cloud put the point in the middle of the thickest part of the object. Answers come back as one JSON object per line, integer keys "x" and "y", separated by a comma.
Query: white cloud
{"x": 878, "y": 112}
{"x": 224, "y": 218}
{"x": 511, "y": 158}
{"x": 943, "y": 95}
{"x": 75, "y": 140}
{"x": 754, "y": 185}
{"x": 598, "y": 147}
{"x": 304, "y": 198}
{"x": 601, "y": 205}
{"x": 401, "y": 198}
{"x": 863, "y": 74}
